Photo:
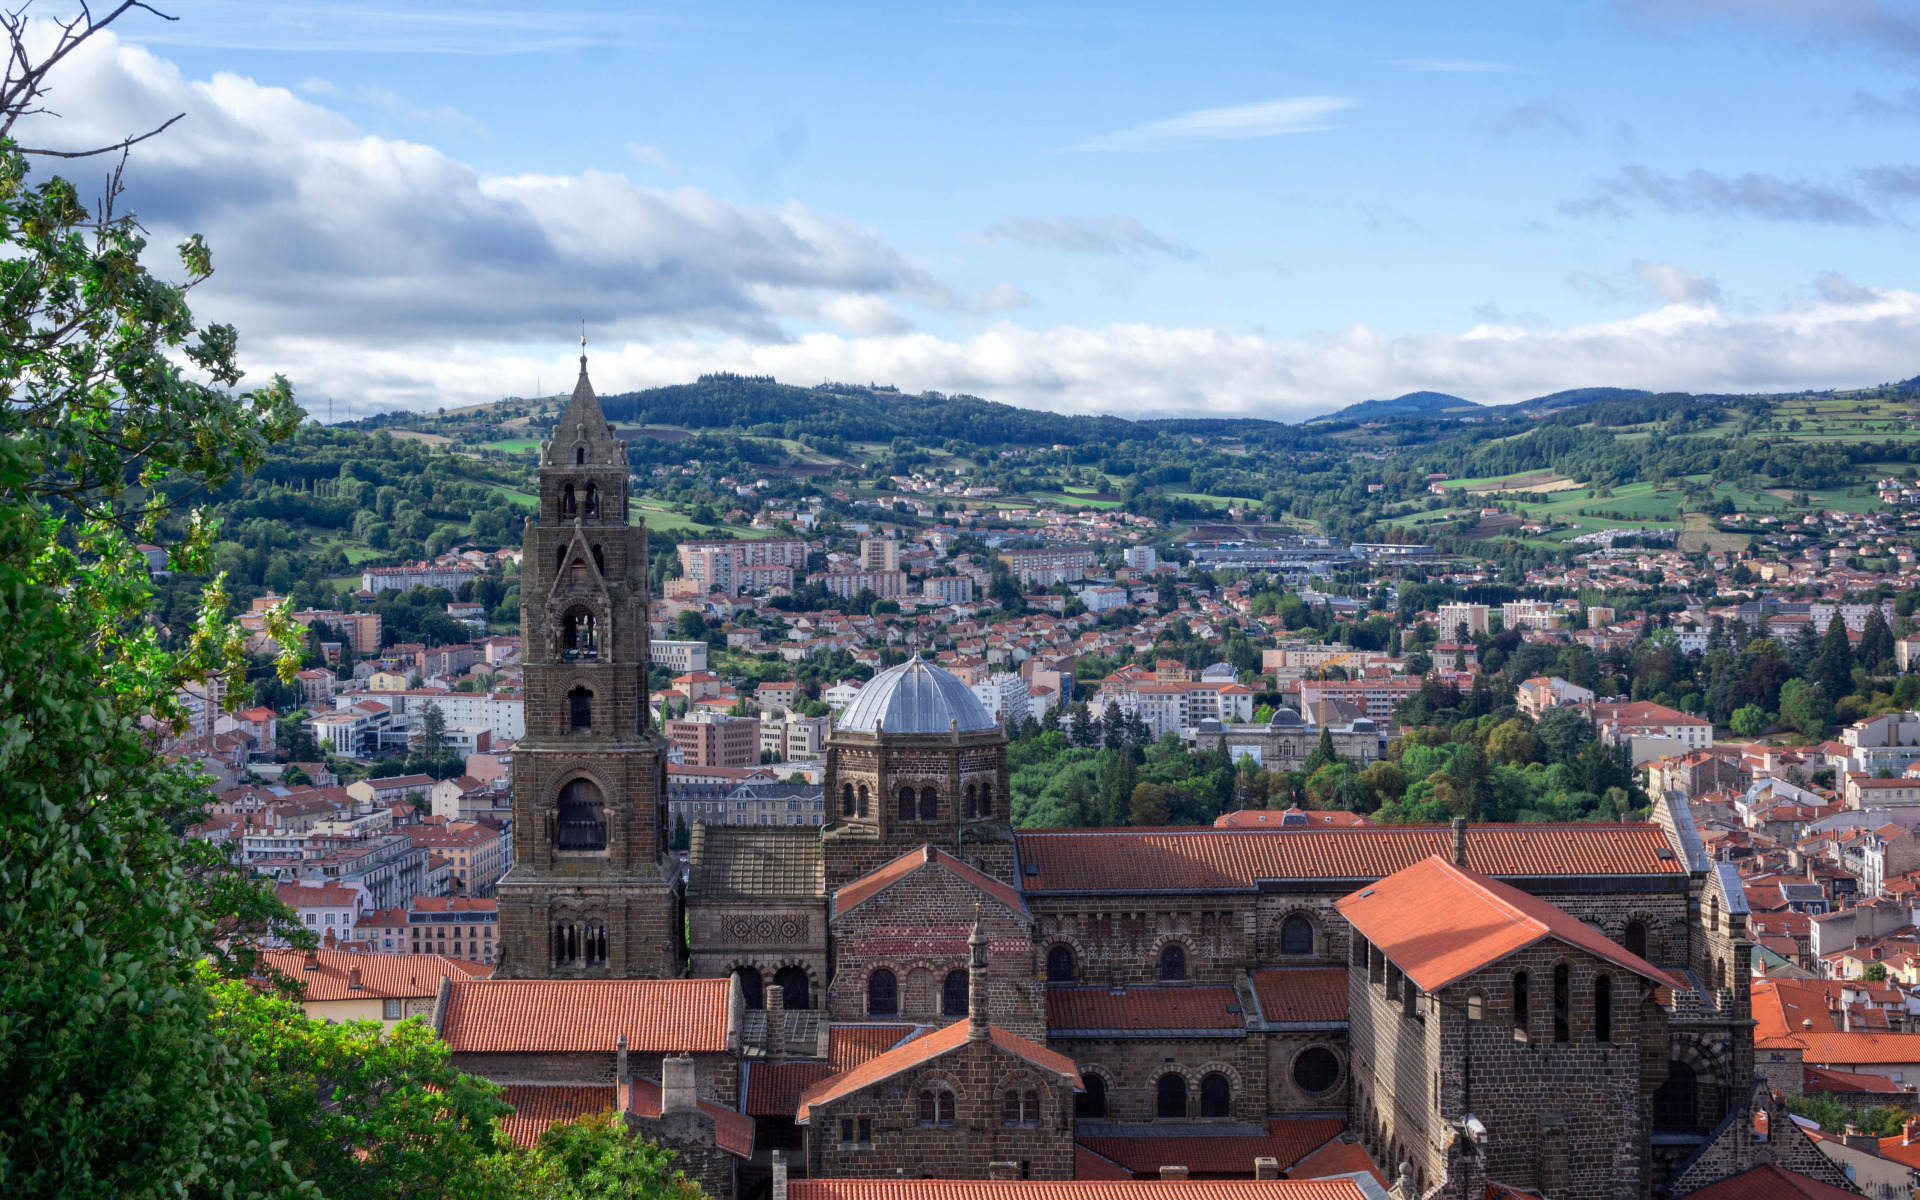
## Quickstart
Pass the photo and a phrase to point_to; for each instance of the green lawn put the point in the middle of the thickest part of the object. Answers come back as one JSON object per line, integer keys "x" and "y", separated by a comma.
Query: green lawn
{"x": 664, "y": 519}
{"x": 523, "y": 499}
{"x": 1079, "y": 501}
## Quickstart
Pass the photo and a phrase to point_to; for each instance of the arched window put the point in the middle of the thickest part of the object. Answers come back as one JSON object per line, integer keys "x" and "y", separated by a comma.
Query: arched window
{"x": 569, "y": 506}
{"x": 600, "y": 560}
{"x": 1020, "y": 1107}
{"x": 750, "y": 987}
{"x": 1674, "y": 1105}
{"x": 935, "y": 1107}
{"x": 580, "y": 708}
{"x": 1296, "y": 935}
{"x": 953, "y": 994}
{"x": 883, "y": 994}
{"x": 986, "y": 801}
{"x": 929, "y": 804}
{"x": 793, "y": 987}
{"x": 1216, "y": 1097}
{"x": 1603, "y": 1008}
{"x": 582, "y": 824}
{"x": 1520, "y": 1005}
{"x": 1636, "y": 939}
{"x": 906, "y": 804}
{"x": 1060, "y": 964}
{"x": 1091, "y": 1104}
{"x": 580, "y": 455}
{"x": 580, "y": 635}
{"x": 1171, "y": 1100}
{"x": 1316, "y": 1070}
{"x": 1173, "y": 962}
{"x": 863, "y": 799}
{"x": 1562, "y": 1003}
{"x": 593, "y": 500}
{"x": 1476, "y": 1006}
{"x": 846, "y": 800}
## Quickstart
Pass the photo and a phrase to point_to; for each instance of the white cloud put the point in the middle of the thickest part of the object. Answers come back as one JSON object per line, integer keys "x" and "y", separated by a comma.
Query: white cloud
{"x": 653, "y": 156}
{"x": 1677, "y": 286}
{"x": 1269, "y": 118}
{"x": 1118, "y": 234}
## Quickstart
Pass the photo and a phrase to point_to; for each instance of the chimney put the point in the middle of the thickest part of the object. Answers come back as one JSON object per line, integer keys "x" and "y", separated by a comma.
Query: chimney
{"x": 697, "y": 842}
{"x": 1858, "y": 1140}
{"x": 1266, "y": 1168}
{"x": 677, "y": 1092}
{"x": 1173, "y": 1174}
{"x": 779, "y": 1176}
{"x": 353, "y": 980}
{"x": 1003, "y": 1171}
{"x": 1459, "y": 841}
{"x": 1910, "y": 1132}
{"x": 776, "y": 1023}
{"x": 313, "y": 961}
{"x": 977, "y": 1011}
{"x": 620, "y": 1061}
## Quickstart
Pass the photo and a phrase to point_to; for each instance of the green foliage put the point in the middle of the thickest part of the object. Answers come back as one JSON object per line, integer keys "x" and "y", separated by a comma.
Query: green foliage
{"x": 1751, "y": 720}
{"x": 1834, "y": 1116}
{"x": 1874, "y": 972}
{"x": 593, "y": 1158}
{"x": 1805, "y": 706}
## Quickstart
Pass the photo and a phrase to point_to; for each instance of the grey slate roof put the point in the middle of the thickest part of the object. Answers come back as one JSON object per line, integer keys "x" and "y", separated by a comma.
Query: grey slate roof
{"x": 747, "y": 862}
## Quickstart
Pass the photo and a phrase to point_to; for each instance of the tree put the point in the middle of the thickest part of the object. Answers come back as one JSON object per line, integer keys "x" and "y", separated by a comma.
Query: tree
{"x": 1149, "y": 807}
{"x": 690, "y": 626}
{"x": 1751, "y": 720}
{"x": 1832, "y": 667}
{"x": 1805, "y": 706}
{"x": 1876, "y": 642}
{"x": 1874, "y": 972}
{"x": 433, "y": 730}
{"x": 117, "y": 1082}
{"x": 1510, "y": 742}
{"x": 1322, "y": 754}
{"x": 1560, "y": 733}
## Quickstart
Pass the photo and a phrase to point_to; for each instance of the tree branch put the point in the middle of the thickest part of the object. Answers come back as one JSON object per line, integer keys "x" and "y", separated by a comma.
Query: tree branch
{"x": 120, "y": 145}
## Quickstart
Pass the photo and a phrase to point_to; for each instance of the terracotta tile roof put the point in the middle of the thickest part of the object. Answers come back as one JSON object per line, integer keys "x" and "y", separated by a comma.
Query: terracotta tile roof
{"x": 557, "y": 1016}
{"x": 878, "y": 880}
{"x": 850, "y": 1045}
{"x": 1438, "y": 922}
{"x": 1338, "y": 1157}
{"x": 1123, "y": 860}
{"x": 1088, "y": 1165}
{"x": 1077, "y": 1189}
{"x": 1293, "y": 818}
{"x": 924, "y": 1049}
{"x": 1302, "y": 993}
{"x": 1824, "y": 1049}
{"x": 1771, "y": 1183}
{"x": 382, "y": 976}
{"x": 537, "y": 1106}
{"x": 732, "y": 1131}
{"x": 1823, "y": 1079}
{"x": 330, "y": 895}
{"x": 774, "y": 1089}
{"x": 453, "y": 904}
{"x": 1143, "y": 1009}
{"x": 1206, "y": 1152}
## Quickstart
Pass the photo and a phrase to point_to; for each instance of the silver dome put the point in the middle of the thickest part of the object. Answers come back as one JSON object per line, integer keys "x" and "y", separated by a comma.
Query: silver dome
{"x": 916, "y": 697}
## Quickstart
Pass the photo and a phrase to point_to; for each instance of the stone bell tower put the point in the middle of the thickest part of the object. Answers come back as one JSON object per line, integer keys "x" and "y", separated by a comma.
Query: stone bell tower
{"x": 593, "y": 891}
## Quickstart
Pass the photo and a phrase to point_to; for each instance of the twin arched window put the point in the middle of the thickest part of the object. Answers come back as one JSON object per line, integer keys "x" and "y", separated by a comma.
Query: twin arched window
{"x": 1020, "y": 1107}
{"x": 1173, "y": 963}
{"x": 929, "y": 804}
{"x": 936, "y": 1106}
{"x": 883, "y": 994}
{"x": 1296, "y": 935}
{"x": 979, "y": 800}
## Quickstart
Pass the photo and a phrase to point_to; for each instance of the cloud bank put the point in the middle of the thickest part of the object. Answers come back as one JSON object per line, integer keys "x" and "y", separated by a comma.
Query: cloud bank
{"x": 383, "y": 274}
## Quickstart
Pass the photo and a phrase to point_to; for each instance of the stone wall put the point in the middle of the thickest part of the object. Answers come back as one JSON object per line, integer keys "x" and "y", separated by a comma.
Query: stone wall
{"x": 690, "y": 1135}
{"x": 1133, "y": 1067}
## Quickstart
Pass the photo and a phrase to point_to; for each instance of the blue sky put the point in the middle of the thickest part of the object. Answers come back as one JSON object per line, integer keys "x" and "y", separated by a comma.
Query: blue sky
{"x": 1273, "y": 210}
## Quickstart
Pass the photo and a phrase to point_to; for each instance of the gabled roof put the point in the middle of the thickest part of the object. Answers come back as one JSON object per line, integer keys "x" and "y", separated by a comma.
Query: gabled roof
{"x": 1770, "y": 1182}
{"x": 1182, "y": 1010}
{"x": 853, "y": 894}
{"x": 774, "y": 1089}
{"x": 925, "y": 1049}
{"x": 1092, "y": 1189}
{"x": 1438, "y": 922}
{"x": 547, "y": 1016}
{"x": 382, "y": 976}
{"x": 1301, "y": 993}
{"x": 732, "y": 1131}
{"x": 1199, "y": 859}
{"x": 1338, "y": 1157}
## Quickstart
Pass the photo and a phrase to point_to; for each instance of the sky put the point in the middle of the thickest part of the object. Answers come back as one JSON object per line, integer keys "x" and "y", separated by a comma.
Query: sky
{"x": 1143, "y": 209}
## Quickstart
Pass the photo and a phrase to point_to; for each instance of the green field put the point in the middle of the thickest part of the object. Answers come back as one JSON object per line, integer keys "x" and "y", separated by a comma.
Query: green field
{"x": 1078, "y": 501}
{"x": 523, "y": 499}
{"x": 664, "y": 519}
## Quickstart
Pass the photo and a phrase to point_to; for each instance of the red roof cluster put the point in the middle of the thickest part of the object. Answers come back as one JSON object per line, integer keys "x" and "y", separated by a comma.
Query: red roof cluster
{"x": 732, "y": 1131}
{"x": 538, "y": 1106}
{"x": 1126, "y": 860}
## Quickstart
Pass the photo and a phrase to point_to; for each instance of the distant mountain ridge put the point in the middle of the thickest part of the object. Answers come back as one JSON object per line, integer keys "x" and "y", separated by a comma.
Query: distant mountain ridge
{"x": 1399, "y": 406}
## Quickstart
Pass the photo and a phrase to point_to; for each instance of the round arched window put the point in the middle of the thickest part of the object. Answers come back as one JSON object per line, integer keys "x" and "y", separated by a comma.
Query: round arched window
{"x": 1171, "y": 1098}
{"x": 1296, "y": 935}
{"x": 1316, "y": 1069}
{"x": 1216, "y": 1096}
{"x": 793, "y": 987}
{"x": 883, "y": 994}
{"x": 1060, "y": 964}
{"x": 750, "y": 987}
{"x": 1173, "y": 962}
{"x": 953, "y": 995}
{"x": 583, "y": 824}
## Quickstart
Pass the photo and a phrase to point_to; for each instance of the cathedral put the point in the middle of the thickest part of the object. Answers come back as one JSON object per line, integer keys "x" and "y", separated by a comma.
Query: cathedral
{"x": 915, "y": 989}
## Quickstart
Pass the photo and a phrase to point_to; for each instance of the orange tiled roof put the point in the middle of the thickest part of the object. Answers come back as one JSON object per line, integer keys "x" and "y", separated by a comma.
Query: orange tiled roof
{"x": 850, "y": 1045}
{"x": 382, "y": 976}
{"x": 774, "y": 1089}
{"x": 1438, "y": 922}
{"x": 1823, "y": 1079}
{"x": 1261, "y": 818}
{"x": 1141, "y": 1009}
{"x": 1302, "y": 993}
{"x": 1824, "y": 1048}
{"x": 538, "y": 1106}
{"x": 1100, "y": 1189}
{"x": 732, "y": 1131}
{"x": 548, "y": 1016}
{"x": 1123, "y": 860}
{"x": 1770, "y": 1182}
{"x": 878, "y": 880}
{"x": 1087, "y": 1166}
{"x": 924, "y": 1049}
{"x": 1337, "y": 1157}
{"x": 1206, "y": 1152}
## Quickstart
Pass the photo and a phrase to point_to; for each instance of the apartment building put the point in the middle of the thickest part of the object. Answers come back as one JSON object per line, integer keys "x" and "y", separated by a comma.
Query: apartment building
{"x": 1049, "y": 565}
{"x": 1453, "y": 616}
{"x": 709, "y": 739}
{"x": 887, "y": 585}
{"x": 427, "y": 575}
{"x": 679, "y": 657}
{"x": 1528, "y": 614}
{"x": 750, "y": 567}
{"x": 879, "y": 554}
{"x": 947, "y": 589}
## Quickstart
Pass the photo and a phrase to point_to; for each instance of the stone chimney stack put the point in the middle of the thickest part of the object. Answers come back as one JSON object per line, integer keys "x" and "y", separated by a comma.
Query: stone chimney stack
{"x": 677, "y": 1089}
{"x": 1171, "y": 1174}
{"x": 776, "y": 1023}
{"x": 1459, "y": 841}
{"x": 1266, "y": 1168}
{"x": 978, "y": 1013}
{"x": 620, "y": 1061}
{"x": 697, "y": 842}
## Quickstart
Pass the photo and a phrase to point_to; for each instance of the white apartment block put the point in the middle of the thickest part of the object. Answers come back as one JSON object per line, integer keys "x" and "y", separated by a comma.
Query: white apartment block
{"x": 680, "y": 657}
{"x": 1453, "y": 616}
{"x": 1005, "y": 696}
{"x": 879, "y": 554}
{"x": 403, "y": 579}
{"x": 744, "y": 566}
{"x": 795, "y": 737}
{"x": 887, "y": 585}
{"x": 1528, "y": 614}
{"x": 1142, "y": 558}
{"x": 948, "y": 589}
